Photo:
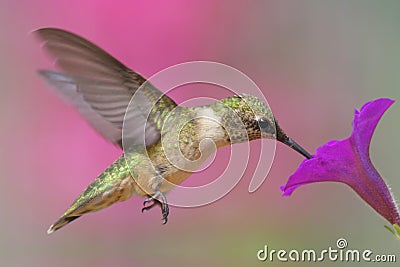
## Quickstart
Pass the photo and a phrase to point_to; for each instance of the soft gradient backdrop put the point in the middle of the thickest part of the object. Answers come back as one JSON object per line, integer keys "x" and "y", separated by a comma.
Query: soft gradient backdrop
{"x": 315, "y": 61}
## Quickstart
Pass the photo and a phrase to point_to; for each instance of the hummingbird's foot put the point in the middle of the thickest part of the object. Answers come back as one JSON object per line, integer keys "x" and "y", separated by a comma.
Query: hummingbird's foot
{"x": 155, "y": 201}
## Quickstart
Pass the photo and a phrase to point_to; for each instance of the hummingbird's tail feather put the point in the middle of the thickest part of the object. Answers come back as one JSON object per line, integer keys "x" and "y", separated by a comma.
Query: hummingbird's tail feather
{"x": 61, "y": 222}
{"x": 107, "y": 189}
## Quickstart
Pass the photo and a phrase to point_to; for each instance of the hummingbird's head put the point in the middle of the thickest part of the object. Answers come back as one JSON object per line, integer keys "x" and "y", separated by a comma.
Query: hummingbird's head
{"x": 259, "y": 121}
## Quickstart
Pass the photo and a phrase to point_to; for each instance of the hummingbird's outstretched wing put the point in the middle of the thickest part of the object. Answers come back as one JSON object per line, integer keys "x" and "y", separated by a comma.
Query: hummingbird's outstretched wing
{"x": 101, "y": 88}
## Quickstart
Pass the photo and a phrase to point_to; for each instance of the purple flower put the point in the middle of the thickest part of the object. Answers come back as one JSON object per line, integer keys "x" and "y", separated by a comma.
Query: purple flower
{"x": 347, "y": 161}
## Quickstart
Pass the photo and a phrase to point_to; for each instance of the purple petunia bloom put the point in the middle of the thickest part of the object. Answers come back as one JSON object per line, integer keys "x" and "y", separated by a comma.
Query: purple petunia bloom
{"x": 347, "y": 161}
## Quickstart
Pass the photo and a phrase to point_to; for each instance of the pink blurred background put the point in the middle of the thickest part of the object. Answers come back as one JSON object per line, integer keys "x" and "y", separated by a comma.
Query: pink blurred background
{"x": 315, "y": 61}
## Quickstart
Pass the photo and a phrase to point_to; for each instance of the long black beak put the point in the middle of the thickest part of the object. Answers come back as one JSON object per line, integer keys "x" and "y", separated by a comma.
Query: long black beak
{"x": 291, "y": 143}
{"x": 282, "y": 137}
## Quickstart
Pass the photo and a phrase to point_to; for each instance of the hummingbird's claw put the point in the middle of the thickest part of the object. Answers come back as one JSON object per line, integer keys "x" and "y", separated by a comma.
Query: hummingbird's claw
{"x": 165, "y": 212}
{"x": 148, "y": 200}
{"x": 155, "y": 201}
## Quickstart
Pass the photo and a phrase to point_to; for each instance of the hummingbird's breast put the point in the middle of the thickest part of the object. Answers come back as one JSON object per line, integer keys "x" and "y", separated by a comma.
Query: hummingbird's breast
{"x": 189, "y": 138}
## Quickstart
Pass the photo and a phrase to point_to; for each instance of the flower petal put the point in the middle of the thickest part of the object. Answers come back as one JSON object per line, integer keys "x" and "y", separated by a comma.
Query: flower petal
{"x": 347, "y": 161}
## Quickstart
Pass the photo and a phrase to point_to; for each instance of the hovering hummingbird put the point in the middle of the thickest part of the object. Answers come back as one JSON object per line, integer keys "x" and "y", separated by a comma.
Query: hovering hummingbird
{"x": 101, "y": 89}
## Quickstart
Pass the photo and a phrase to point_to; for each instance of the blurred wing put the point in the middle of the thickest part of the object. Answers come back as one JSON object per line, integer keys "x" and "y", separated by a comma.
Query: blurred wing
{"x": 101, "y": 88}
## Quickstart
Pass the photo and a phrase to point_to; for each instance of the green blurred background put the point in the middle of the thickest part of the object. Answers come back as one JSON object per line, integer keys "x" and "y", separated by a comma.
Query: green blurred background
{"x": 315, "y": 61}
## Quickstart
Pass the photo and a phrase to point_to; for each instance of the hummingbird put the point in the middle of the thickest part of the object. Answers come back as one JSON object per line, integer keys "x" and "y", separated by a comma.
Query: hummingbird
{"x": 101, "y": 88}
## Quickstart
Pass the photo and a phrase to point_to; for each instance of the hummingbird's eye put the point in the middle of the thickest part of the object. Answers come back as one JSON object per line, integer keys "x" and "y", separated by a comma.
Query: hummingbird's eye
{"x": 266, "y": 126}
